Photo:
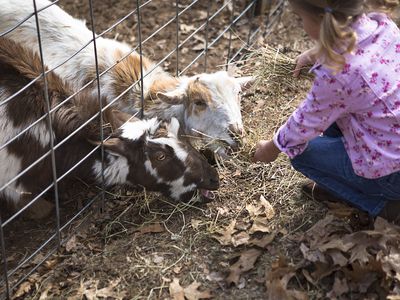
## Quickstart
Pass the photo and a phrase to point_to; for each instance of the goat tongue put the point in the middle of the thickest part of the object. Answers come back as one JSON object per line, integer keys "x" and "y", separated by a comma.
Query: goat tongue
{"x": 208, "y": 194}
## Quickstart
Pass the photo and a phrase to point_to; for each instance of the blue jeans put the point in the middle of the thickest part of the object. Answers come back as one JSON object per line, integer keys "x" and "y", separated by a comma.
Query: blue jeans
{"x": 326, "y": 162}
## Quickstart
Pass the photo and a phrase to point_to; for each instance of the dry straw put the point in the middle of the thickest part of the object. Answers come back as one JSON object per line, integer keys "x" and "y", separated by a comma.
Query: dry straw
{"x": 272, "y": 66}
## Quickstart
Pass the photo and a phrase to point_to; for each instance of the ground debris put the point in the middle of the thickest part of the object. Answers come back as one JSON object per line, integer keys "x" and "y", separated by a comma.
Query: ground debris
{"x": 191, "y": 292}
{"x": 356, "y": 262}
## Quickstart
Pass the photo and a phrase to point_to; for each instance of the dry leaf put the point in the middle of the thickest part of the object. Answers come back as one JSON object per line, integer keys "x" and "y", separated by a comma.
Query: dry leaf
{"x": 152, "y": 228}
{"x": 263, "y": 242}
{"x": 241, "y": 238}
{"x": 225, "y": 235}
{"x": 195, "y": 223}
{"x": 108, "y": 292}
{"x": 337, "y": 257}
{"x": 277, "y": 280}
{"x": 313, "y": 256}
{"x": 90, "y": 290}
{"x": 391, "y": 265}
{"x": 260, "y": 214}
{"x": 184, "y": 28}
{"x": 269, "y": 210}
{"x": 23, "y": 288}
{"x": 71, "y": 244}
{"x": 175, "y": 290}
{"x": 192, "y": 292}
{"x": 340, "y": 287}
{"x": 44, "y": 293}
{"x": 245, "y": 263}
{"x": 263, "y": 208}
{"x": 260, "y": 225}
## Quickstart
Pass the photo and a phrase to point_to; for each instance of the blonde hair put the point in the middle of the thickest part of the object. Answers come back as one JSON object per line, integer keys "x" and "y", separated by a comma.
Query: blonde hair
{"x": 336, "y": 37}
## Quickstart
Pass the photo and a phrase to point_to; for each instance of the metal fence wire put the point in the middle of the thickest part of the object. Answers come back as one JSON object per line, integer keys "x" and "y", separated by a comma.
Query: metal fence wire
{"x": 26, "y": 245}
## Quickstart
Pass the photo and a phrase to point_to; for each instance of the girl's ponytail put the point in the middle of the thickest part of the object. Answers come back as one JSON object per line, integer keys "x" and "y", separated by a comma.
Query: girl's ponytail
{"x": 336, "y": 38}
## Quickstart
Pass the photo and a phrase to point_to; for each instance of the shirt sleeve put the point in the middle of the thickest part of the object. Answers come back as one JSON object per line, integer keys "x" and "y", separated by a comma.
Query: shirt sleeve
{"x": 324, "y": 104}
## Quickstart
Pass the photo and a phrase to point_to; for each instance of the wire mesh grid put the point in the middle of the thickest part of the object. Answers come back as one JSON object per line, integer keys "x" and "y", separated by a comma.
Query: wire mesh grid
{"x": 19, "y": 262}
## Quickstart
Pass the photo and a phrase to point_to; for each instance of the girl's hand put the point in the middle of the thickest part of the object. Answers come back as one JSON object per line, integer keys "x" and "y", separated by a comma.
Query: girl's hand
{"x": 305, "y": 59}
{"x": 266, "y": 151}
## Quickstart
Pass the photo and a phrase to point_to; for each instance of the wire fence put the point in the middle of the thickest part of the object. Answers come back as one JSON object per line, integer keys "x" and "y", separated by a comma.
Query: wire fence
{"x": 26, "y": 245}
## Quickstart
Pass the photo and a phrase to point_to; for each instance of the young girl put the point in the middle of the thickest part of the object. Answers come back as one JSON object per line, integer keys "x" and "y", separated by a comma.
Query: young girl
{"x": 354, "y": 102}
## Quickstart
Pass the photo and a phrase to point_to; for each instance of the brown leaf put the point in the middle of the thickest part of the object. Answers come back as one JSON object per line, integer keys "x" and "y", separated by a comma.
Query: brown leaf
{"x": 313, "y": 256}
{"x": 391, "y": 265}
{"x": 360, "y": 253}
{"x": 268, "y": 209}
{"x": 192, "y": 292}
{"x": 245, "y": 263}
{"x": 224, "y": 236}
{"x": 175, "y": 290}
{"x": 263, "y": 208}
{"x": 71, "y": 244}
{"x": 184, "y": 28}
{"x": 363, "y": 275}
{"x": 277, "y": 280}
{"x": 23, "y": 288}
{"x": 109, "y": 292}
{"x": 242, "y": 238}
{"x": 339, "y": 288}
{"x": 264, "y": 241}
{"x": 338, "y": 258}
{"x": 152, "y": 228}
{"x": 323, "y": 270}
{"x": 260, "y": 225}
{"x": 90, "y": 290}
{"x": 195, "y": 223}
{"x": 260, "y": 214}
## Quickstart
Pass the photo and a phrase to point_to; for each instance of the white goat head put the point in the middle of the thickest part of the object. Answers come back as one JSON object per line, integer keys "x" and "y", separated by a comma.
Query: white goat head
{"x": 212, "y": 106}
{"x": 159, "y": 160}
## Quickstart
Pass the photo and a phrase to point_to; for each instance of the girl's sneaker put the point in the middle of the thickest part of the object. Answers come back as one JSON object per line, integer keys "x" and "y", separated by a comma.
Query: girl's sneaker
{"x": 317, "y": 193}
{"x": 391, "y": 212}
{"x": 358, "y": 219}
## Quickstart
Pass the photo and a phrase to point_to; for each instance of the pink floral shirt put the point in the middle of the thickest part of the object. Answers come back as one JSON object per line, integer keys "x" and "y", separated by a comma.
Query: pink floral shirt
{"x": 363, "y": 99}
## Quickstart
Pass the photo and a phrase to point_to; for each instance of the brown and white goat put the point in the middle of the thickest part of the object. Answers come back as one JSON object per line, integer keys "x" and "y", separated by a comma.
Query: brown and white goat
{"x": 146, "y": 153}
{"x": 206, "y": 105}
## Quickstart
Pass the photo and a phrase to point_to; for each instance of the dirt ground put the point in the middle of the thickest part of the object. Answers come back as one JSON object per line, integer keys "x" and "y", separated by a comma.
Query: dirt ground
{"x": 145, "y": 247}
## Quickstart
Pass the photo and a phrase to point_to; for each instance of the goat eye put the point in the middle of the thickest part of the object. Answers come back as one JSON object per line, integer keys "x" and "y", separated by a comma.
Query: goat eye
{"x": 160, "y": 156}
{"x": 199, "y": 103}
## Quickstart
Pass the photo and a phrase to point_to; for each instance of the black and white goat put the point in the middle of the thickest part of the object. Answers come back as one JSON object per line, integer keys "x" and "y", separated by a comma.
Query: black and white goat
{"x": 206, "y": 105}
{"x": 147, "y": 153}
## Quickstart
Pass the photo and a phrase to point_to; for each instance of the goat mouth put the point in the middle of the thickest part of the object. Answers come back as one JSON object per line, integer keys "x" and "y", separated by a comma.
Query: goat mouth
{"x": 207, "y": 194}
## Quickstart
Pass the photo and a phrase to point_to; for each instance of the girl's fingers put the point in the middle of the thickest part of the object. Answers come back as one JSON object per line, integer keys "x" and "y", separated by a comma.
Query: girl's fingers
{"x": 297, "y": 69}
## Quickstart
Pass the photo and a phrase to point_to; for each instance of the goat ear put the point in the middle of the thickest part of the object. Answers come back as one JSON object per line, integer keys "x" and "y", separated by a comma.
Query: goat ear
{"x": 115, "y": 145}
{"x": 173, "y": 126}
{"x": 245, "y": 82}
{"x": 176, "y": 96}
{"x": 117, "y": 118}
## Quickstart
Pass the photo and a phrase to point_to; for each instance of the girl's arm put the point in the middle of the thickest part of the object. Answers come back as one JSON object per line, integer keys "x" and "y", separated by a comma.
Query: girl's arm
{"x": 328, "y": 100}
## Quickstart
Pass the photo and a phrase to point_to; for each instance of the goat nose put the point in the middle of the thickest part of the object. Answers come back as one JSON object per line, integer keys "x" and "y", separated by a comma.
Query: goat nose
{"x": 236, "y": 133}
{"x": 236, "y": 130}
